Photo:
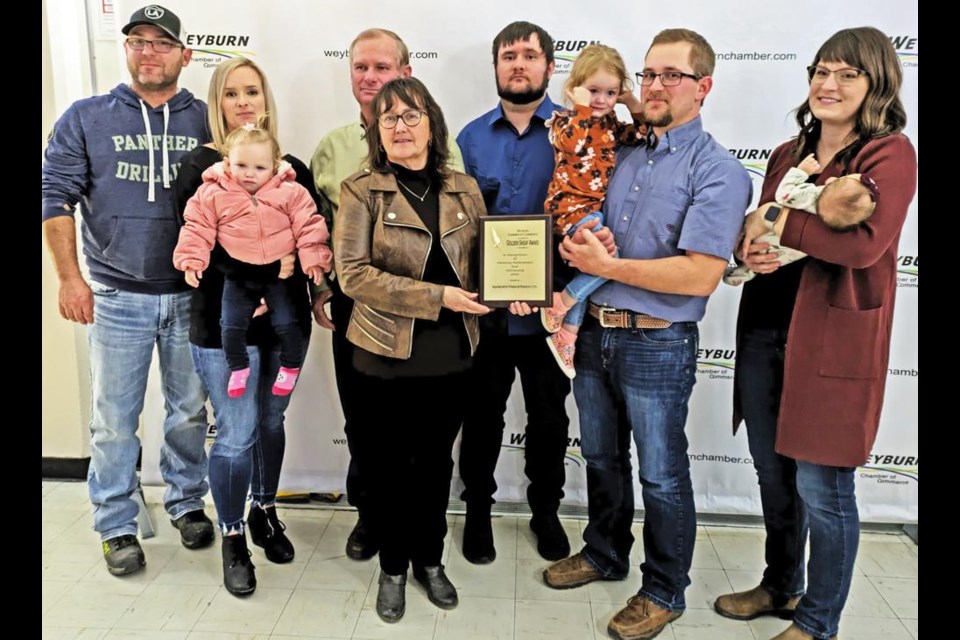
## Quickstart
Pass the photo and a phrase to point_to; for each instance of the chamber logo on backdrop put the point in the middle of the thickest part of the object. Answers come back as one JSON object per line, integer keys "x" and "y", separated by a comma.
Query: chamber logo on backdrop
{"x": 716, "y": 364}
{"x": 908, "y": 271}
{"x": 904, "y": 373}
{"x": 517, "y": 442}
{"x": 892, "y": 468}
{"x": 566, "y": 51}
{"x": 210, "y": 49}
{"x": 754, "y": 161}
{"x": 908, "y": 50}
{"x": 756, "y": 56}
{"x": 344, "y": 54}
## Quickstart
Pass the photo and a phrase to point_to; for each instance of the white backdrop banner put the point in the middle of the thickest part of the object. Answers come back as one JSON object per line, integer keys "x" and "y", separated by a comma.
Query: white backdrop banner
{"x": 762, "y": 50}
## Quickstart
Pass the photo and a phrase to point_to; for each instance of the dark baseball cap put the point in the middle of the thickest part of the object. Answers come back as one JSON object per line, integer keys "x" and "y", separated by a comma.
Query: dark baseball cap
{"x": 157, "y": 16}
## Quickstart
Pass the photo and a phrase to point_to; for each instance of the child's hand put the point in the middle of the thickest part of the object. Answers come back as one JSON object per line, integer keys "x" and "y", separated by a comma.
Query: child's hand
{"x": 580, "y": 96}
{"x": 630, "y": 100}
{"x": 193, "y": 277}
{"x": 809, "y": 165}
{"x": 315, "y": 274}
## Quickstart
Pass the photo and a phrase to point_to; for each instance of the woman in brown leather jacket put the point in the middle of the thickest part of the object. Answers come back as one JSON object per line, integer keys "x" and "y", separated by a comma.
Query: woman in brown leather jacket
{"x": 406, "y": 247}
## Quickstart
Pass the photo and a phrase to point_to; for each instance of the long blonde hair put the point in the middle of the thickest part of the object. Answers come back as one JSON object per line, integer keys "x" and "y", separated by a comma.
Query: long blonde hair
{"x": 593, "y": 58}
{"x": 218, "y": 122}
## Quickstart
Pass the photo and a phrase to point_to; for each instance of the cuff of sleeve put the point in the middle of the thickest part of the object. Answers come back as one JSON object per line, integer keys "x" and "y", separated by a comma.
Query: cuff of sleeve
{"x": 53, "y": 208}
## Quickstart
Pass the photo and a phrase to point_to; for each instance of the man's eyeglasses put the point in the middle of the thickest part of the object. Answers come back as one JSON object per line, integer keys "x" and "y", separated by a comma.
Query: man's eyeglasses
{"x": 667, "y": 78}
{"x": 410, "y": 117}
{"x": 844, "y": 77}
{"x": 158, "y": 46}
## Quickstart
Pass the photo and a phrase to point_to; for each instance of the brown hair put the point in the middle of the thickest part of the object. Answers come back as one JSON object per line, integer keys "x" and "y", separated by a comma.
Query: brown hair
{"x": 412, "y": 92}
{"x": 882, "y": 112}
{"x": 702, "y": 58}
{"x": 403, "y": 54}
{"x": 848, "y": 202}
{"x": 593, "y": 58}
{"x": 521, "y": 30}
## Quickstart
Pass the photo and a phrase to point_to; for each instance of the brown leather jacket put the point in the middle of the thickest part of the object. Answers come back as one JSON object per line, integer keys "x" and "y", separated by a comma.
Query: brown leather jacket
{"x": 381, "y": 248}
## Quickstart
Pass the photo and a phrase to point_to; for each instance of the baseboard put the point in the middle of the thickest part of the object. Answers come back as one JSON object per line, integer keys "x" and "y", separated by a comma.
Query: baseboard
{"x": 64, "y": 468}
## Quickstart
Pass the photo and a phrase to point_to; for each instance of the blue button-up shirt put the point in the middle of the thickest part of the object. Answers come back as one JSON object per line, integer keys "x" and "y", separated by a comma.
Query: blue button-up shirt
{"x": 688, "y": 194}
{"x": 513, "y": 170}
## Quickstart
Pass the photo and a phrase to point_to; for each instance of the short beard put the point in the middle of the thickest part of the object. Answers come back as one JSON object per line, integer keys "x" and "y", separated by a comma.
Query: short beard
{"x": 524, "y": 97}
{"x": 663, "y": 121}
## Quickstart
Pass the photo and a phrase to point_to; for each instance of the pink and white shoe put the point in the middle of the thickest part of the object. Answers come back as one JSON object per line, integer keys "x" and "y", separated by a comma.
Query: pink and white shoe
{"x": 563, "y": 354}
{"x": 238, "y": 382}
{"x": 552, "y": 318}
{"x": 286, "y": 381}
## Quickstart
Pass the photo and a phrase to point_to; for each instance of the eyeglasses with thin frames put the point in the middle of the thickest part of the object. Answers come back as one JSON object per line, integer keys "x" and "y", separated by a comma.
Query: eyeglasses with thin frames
{"x": 158, "y": 46}
{"x": 844, "y": 77}
{"x": 410, "y": 117}
{"x": 667, "y": 78}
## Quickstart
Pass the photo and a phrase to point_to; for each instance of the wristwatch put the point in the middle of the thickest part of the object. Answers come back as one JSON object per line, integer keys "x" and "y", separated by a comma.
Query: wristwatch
{"x": 771, "y": 215}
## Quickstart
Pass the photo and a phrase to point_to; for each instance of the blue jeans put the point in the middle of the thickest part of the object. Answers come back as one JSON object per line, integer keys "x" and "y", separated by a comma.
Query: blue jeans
{"x": 638, "y": 381}
{"x": 796, "y": 496}
{"x": 583, "y": 284}
{"x": 127, "y": 326}
{"x": 239, "y": 301}
{"x": 250, "y": 439}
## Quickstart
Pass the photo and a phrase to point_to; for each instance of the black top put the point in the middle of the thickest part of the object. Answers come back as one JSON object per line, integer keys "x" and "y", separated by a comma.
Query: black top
{"x": 206, "y": 302}
{"x": 442, "y": 346}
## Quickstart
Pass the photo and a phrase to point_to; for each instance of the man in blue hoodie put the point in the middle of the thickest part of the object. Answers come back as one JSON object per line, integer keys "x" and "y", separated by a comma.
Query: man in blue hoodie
{"x": 117, "y": 156}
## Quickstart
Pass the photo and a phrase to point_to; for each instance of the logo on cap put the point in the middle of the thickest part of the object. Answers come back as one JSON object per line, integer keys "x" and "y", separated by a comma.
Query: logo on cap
{"x": 153, "y": 12}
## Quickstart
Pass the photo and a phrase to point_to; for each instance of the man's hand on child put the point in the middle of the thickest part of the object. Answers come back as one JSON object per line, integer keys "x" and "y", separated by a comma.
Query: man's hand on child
{"x": 631, "y": 101}
{"x": 193, "y": 277}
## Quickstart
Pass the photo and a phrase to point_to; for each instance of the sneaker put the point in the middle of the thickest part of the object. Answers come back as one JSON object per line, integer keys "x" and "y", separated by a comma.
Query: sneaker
{"x": 641, "y": 619}
{"x": 552, "y": 317}
{"x": 286, "y": 381}
{"x": 196, "y": 529}
{"x": 563, "y": 354}
{"x": 360, "y": 543}
{"x": 238, "y": 382}
{"x": 392, "y": 597}
{"x": 747, "y": 605}
{"x": 571, "y": 572}
{"x": 266, "y": 531}
{"x": 123, "y": 555}
{"x": 238, "y": 575}
{"x": 552, "y": 543}
{"x": 478, "y": 536}
{"x": 440, "y": 591}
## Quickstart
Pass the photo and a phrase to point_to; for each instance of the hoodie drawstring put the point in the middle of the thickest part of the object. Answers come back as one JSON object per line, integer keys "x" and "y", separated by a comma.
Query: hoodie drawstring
{"x": 151, "y": 191}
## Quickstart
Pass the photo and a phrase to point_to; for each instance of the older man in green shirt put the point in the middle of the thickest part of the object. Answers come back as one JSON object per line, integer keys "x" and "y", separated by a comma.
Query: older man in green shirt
{"x": 377, "y": 56}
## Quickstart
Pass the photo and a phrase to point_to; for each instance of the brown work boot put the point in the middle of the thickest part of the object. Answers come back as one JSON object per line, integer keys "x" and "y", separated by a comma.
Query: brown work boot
{"x": 794, "y": 633}
{"x": 641, "y": 619}
{"x": 571, "y": 572}
{"x": 747, "y": 605}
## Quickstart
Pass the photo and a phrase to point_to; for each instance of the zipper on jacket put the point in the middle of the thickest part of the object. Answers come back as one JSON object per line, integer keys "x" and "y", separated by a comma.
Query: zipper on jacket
{"x": 423, "y": 269}
{"x": 256, "y": 212}
{"x": 463, "y": 316}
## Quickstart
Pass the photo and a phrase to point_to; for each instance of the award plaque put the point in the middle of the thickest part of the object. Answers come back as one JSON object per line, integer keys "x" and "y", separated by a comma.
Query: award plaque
{"x": 516, "y": 260}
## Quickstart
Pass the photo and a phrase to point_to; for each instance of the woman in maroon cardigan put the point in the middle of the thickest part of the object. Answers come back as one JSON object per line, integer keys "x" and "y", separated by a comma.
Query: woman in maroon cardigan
{"x": 814, "y": 336}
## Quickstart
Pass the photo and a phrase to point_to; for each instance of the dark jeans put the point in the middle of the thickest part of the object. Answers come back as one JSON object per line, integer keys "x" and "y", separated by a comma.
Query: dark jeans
{"x": 248, "y": 451}
{"x": 545, "y": 389}
{"x": 404, "y": 442}
{"x": 348, "y": 389}
{"x": 240, "y": 299}
{"x": 796, "y": 495}
{"x": 638, "y": 381}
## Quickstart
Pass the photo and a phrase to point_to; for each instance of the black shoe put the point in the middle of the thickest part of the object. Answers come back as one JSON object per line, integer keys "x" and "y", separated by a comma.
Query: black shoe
{"x": 123, "y": 555}
{"x": 196, "y": 530}
{"x": 478, "y": 537}
{"x": 360, "y": 543}
{"x": 238, "y": 575}
{"x": 440, "y": 590}
{"x": 552, "y": 543}
{"x": 266, "y": 531}
{"x": 392, "y": 597}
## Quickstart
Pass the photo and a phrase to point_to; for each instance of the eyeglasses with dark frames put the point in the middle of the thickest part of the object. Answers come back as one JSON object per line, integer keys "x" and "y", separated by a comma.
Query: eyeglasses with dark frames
{"x": 410, "y": 117}
{"x": 158, "y": 46}
{"x": 844, "y": 77}
{"x": 667, "y": 78}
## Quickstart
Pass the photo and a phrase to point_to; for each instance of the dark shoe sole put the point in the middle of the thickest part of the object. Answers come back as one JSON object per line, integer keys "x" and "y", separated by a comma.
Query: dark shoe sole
{"x": 390, "y": 620}
{"x": 482, "y": 559}
{"x": 783, "y": 614}
{"x": 613, "y": 634}
{"x": 361, "y": 554}
{"x": 273, "y": 558}
{"x": 241, "y": 593}
{"x": 125, "y": 571}
{"x": 574, "y": 585}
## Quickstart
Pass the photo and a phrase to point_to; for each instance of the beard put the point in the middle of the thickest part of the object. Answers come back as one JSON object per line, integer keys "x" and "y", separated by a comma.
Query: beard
{"x": 152, "y": 82}
{"x": 526, "y": 96}
{"x": 663, "y": 120}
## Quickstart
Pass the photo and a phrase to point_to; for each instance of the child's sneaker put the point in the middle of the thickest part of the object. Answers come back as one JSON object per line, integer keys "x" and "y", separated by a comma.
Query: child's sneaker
{"x": 563, "y": 353}
{"x": 552, "y": 318}
{"x": 238, "y": 382}
{"x": 286, "y": 381}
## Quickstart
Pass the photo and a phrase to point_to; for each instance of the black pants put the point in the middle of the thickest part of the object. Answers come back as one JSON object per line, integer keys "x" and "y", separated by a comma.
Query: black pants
{"x": 403, "y": 440}
{"x": 237, "y": 306}
{"x": 545, "y": 389}
{"x": 347, "y": 388}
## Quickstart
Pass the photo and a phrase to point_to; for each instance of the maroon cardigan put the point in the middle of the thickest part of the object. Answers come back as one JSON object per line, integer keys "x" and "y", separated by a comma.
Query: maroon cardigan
{"x": 839, "y": 339}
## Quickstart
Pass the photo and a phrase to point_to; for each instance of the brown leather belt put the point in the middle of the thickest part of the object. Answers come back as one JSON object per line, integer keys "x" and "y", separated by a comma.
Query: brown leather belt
{"x": 623, "y": 319}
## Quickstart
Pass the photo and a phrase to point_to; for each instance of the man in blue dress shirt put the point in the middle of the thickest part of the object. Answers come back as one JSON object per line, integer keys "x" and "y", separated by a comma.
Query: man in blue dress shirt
{"x": 675, "y": 210}
{"x": 508, "y": 153}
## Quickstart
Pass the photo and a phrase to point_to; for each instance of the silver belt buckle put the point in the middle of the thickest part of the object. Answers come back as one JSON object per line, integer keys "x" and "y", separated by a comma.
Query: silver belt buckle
{"x": 604, "y": 312}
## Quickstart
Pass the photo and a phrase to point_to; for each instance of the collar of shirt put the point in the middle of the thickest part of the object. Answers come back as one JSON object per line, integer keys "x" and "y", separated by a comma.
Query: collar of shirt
{"x": 679, "y": 137}
{"x": 544, "y": 112}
